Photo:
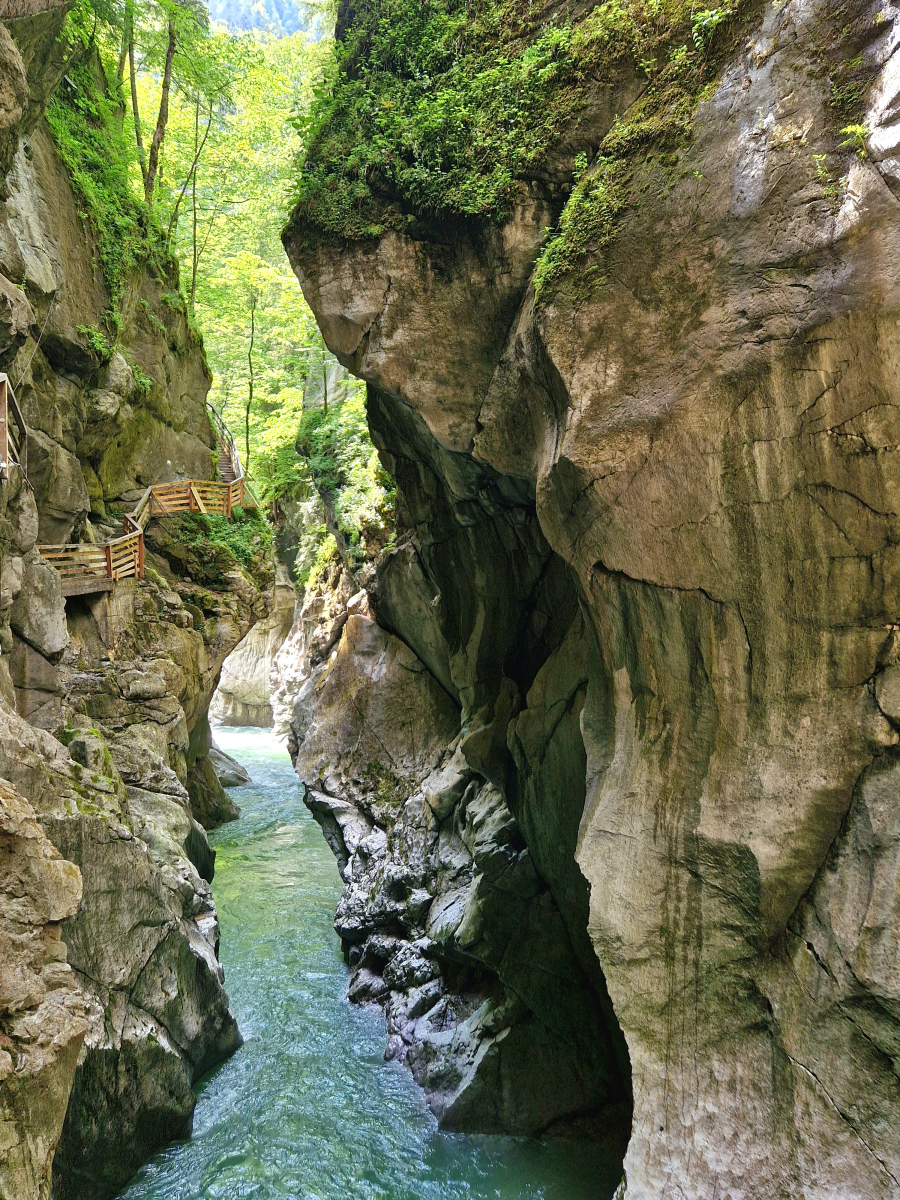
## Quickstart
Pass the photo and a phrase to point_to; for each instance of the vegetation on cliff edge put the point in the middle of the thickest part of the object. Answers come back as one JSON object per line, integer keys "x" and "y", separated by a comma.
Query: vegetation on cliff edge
{"x": 446, "y": 109}
{"x": 207, "y": 546}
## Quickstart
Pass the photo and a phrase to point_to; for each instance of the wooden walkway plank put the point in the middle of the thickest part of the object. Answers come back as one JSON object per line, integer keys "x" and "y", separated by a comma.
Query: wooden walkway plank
{"x": 87, "y": 567}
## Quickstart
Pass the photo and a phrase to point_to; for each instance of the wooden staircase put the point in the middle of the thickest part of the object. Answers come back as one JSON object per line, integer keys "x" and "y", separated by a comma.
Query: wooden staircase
{"x": 87, "y": 567}
{"x": 225, "y": 466}
{"x": 13, "y": 432}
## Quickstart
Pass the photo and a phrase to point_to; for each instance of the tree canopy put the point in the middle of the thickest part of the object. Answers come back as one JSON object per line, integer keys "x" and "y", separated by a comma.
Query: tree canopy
{"x": 187, "y": 148}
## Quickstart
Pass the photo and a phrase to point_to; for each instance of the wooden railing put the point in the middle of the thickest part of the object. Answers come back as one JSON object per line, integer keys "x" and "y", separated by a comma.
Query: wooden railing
{"x": 13, "y": 432}
{"x": 225, "y": 439}
{"x": 87, "y": 567}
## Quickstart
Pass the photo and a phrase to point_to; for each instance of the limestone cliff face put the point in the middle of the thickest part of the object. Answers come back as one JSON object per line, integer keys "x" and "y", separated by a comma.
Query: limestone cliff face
{"x": 41, "y": 1008}
{"x": 104, "y": 424}
{"x": 113, "y": 1003}
{"x": 243, "y": 696}
{"x": 650, "y": 546}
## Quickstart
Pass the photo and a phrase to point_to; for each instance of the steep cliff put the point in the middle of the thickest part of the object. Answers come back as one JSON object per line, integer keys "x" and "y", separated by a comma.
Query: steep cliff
{"x": 104, "y": 735}
{"x": 243, "y": 696}
{"x": 41, "y": 1009}
{"x": 640, "y": 411}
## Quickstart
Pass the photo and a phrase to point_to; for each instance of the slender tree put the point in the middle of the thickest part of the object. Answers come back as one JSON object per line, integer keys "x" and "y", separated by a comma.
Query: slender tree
{"x": 132, "y": 72}
{"x": 163, "y": 117}
{"x": 254, "y": 298}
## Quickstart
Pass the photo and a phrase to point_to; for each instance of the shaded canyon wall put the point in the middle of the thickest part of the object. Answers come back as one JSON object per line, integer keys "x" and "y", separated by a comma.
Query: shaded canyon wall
{"x": 632, "y": 669}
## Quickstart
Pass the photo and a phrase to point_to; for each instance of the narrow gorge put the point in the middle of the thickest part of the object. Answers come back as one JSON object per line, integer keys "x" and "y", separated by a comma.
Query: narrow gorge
{"x": 572, "y": 591}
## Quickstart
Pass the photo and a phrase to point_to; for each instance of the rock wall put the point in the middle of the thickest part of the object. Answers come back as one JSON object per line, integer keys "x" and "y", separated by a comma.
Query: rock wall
{"x": 42, "y": 1011}
{"x": 243, "y": 696}
{"x": 648, "y": 544}
{"x": 107, "y": 785}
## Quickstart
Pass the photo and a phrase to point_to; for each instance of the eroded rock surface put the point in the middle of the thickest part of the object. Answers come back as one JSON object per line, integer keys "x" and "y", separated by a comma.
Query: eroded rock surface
{"x": 243, "y": 696}
{"x": 402, "y": 744}
{"x": 42, "y": 1010}
{"x": 702, "y": 715}
{"x": 107, "y": 786}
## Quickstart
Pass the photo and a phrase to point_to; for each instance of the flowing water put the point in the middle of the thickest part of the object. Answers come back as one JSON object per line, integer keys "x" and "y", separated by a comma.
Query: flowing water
{"x": 308, "y": 1109}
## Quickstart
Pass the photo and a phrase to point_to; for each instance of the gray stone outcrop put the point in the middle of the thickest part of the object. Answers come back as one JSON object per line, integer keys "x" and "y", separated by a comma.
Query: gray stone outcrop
{"x": 648, "y": 542}
{"x": 243, "y": 696}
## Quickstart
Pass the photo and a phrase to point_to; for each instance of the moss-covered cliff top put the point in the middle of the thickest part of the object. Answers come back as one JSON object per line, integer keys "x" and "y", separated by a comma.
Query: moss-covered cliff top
{"x": 443, "y": 110}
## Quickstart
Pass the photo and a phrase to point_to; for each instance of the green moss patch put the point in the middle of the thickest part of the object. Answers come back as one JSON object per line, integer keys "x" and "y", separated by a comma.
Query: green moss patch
{"x": 87, "y": 124}
{"x": 206, "y": 547}
{"x": 442, "y": 110}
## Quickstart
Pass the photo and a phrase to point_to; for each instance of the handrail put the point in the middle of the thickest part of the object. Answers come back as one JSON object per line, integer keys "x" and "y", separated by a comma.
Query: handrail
{"x": 226, "y": 440}
{"x": 13, "y": 436}
{"x": 84, "y": 564}
{"x": 123, "y": 557}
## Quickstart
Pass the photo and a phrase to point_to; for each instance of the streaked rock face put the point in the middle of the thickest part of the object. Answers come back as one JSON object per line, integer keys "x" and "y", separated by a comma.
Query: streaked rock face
{"x": 710, "y": 436}
{"x": 246, "y": 682}
{"x": 42, "y": 1011}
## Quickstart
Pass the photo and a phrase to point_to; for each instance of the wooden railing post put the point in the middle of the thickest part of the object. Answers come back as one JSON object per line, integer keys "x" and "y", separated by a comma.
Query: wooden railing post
{"x": 109, "y": 564}
{"x": 141, "y": 555}
{"x": 4, "y": 428}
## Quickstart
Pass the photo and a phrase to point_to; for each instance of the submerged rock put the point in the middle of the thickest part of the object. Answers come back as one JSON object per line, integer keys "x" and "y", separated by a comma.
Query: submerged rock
{"x": 229, "y": 771}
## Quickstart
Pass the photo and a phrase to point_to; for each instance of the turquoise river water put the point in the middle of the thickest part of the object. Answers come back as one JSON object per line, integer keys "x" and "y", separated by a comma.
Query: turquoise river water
{"x": 307, "y": 1108}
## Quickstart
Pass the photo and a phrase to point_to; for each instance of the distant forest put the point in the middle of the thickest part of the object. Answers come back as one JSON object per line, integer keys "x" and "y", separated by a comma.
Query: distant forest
{"x": 273, "y": 16}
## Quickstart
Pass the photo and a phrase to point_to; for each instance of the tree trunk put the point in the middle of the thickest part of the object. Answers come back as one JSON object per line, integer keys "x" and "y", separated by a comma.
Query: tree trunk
{"x": 134, "y": 104}
{"x": 162, "y": 120}
{"x": 194, "y": 203}
{"x": 191, "y": 177}
{"x": 249, "y": 388}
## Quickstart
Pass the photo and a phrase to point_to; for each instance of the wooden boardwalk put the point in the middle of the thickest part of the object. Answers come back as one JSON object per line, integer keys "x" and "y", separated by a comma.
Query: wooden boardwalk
{"x": 87, "y": 567}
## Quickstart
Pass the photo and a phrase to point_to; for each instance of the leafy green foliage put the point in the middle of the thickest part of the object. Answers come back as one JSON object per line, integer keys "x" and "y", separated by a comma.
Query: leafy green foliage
{"x": 704, "y": 25}
{"x": 86, "y": 123}
{"x": 345, "y": 467}
{"x": 662, "y": 118}
{"x": 229, "y": 151}
{"x": 325, "y": 554}
{"x": 855, "y": 138}
{"x": 227, "y": 229}
{"x": 443, "y": 109}
{"x": 206, "y": 546}
{"x": 96, "y": 339}
{"x": 588, "y": 222}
